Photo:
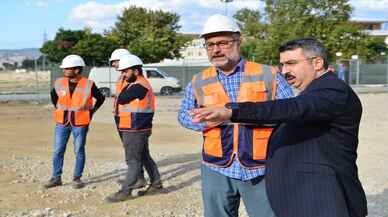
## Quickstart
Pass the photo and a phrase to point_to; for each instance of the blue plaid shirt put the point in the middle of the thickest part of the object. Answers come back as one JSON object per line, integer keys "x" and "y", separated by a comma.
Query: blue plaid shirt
{"x": 231, "y": 85}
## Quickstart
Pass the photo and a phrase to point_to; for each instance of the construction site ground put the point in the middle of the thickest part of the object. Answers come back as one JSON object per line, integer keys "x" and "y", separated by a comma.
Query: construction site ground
{"x": 26, "y": 141}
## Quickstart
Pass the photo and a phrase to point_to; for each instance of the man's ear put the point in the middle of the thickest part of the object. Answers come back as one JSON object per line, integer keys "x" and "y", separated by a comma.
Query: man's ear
{"x": 318, "y": 63}
{"x": 241, "y": 39}
{"x": 136, "y": 71}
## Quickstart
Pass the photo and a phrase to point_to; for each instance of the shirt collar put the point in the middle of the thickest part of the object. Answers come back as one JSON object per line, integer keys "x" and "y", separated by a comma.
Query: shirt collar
{"x": 238, "y": 68}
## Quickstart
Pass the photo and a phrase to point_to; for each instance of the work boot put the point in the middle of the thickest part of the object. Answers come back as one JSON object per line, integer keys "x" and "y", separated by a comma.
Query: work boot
{"x": 154, "y": 188}
{"x": 140, "y": 183}
{"x": 53, "y": 182}
{"x": 157, "y": 184}
{"x": 77, "y": 183}
{"x": 119, "y": 196}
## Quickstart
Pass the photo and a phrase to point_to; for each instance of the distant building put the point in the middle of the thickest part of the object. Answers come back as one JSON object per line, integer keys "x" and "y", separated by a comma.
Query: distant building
{"x": 193, "y": 54}
{"x": 195, "y": 49}
{"x": 373, "y": 27}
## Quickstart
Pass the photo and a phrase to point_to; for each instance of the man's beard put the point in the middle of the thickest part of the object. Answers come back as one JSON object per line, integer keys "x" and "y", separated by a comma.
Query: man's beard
{"x": 72, "y": 76}
{"x": 219, "y": 62}
{"x": 132, "y": 78}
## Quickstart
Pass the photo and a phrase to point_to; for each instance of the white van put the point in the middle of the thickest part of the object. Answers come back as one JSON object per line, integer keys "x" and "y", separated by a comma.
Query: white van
{"x": 106, "y": 78}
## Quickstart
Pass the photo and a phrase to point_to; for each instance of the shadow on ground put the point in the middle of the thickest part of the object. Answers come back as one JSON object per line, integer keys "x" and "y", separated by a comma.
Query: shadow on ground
{"x": 185, "y": 164}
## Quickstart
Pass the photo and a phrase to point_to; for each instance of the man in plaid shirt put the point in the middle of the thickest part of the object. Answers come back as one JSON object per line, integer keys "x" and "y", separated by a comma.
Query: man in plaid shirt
{"x": 223, "y": 186}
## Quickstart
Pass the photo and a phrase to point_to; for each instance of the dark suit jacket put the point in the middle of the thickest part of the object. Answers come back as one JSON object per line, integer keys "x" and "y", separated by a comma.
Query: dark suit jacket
{"x": 311, "y": 166}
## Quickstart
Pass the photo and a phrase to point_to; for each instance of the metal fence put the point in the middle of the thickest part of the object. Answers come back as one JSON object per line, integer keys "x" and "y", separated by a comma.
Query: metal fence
{"x": 358, "y": 73}
{"x": 24, "y": 81}
{"x": 183, "y": 73}
{"x": 40, "y": 81}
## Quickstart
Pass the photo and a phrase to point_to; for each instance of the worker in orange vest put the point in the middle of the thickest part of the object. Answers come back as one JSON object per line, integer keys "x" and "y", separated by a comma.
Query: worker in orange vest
{"x": 233, "y": 155}
{"x": 72, "y": 97}
{"x": 121, "y": 83}
{"x": 135, "y": 107}
{"x": 114, "y": 62}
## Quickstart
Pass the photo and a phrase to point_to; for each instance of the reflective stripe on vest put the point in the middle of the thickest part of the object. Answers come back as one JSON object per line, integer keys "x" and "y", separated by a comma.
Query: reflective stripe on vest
{"x": 77, "y": 105}
{"x": 248, "y": 142}
{"x": 137, "y": 115}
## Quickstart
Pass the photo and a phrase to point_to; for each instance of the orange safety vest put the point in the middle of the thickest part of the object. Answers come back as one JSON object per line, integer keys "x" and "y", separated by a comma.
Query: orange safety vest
{"x": 120, "y": 85}
{"x": 245, "y": 141}
{"x": 74, "y": 109}
{"x": 137, "y": 115}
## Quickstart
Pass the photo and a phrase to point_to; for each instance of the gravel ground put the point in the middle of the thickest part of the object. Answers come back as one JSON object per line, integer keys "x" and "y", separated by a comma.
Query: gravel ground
{"x": 25, "y": 165}
{"x": 180, "y": 178}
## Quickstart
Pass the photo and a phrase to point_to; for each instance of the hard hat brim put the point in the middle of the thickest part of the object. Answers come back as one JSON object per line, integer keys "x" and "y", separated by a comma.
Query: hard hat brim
{"x": 67, "y": 67}
{"x": 211, "y": 34}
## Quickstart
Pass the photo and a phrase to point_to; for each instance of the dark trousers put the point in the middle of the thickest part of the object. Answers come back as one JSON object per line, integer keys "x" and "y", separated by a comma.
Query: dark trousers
{"x": 141, "y": 175}
{"x": 137, "y": 155}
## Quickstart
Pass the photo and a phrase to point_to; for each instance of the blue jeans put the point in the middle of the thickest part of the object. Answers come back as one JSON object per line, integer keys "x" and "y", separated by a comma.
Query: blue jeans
{"x": 62, "y": 134}
{"x": 221, "y": 195}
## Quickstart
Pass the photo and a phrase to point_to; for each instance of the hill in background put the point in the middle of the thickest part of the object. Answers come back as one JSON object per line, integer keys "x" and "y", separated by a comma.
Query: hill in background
{"x": 31, "y": 53}
{"x": 18, "y": 55}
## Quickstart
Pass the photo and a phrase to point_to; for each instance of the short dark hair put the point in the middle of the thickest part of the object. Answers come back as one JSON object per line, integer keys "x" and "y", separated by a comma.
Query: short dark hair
{"x": 310, "y": 46}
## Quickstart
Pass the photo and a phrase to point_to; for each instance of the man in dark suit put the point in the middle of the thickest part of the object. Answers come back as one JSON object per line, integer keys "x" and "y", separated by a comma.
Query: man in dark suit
{"x": 311, "y": 166}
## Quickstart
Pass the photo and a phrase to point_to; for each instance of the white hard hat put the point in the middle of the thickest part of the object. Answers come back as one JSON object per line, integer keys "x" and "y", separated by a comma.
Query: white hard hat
{"x": 219, "y": 23}
{"x": 72, "y": 61}
{"x": 116, "y": 54}
{"x": 129, "y": 61}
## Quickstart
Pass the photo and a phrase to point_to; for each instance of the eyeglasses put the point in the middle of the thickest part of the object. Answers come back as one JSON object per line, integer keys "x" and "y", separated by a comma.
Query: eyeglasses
{"x": 294, "y": 62}
{"x": 224, "y": 44}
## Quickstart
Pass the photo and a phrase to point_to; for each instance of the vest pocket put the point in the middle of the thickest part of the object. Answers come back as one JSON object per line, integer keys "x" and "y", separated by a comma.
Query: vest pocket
{"x": 125, "y": 121}
{"x": 82, "y": 117}
{"x": 59, "y": 116}
{"x": 211, "y": 98}
{"x": 212, "y": 142}
{"x": 259, "y": 93}
{"x": 260, "y": 143}
{"x": 255, "y": 92}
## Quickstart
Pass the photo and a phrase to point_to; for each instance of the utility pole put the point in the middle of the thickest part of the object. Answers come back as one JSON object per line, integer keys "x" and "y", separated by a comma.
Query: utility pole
{"x": 226, "y": 5}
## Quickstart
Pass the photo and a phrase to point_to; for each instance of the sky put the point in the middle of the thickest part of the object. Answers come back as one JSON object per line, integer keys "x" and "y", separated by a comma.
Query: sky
{"x": 25, "y": 22}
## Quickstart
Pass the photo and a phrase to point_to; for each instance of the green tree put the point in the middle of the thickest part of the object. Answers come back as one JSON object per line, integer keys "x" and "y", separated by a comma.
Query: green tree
{"x": 152, "y": 35}
{"x": 93, "y": 48}
{"x": 28, "y": 64}
{"x": 31, "y": 63}
{"x": 375, "y": 47}
{"x": 10, "y": 66}
{"x": 62, "y": 44}
{"x": 284, "y": 20}
{"x": 249, "y": 22}
{"x": 252, "y": 30}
